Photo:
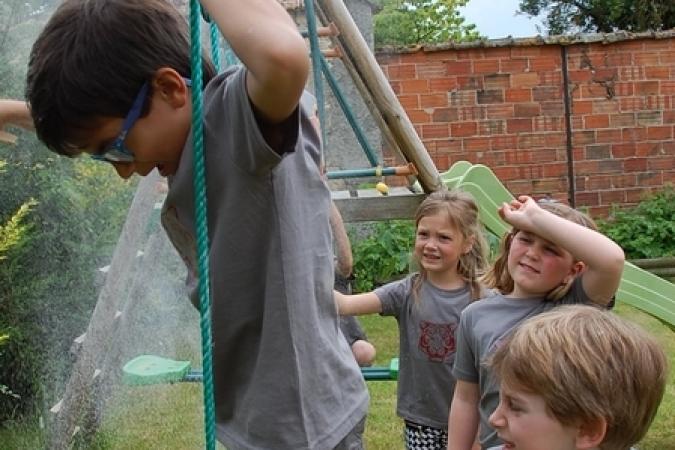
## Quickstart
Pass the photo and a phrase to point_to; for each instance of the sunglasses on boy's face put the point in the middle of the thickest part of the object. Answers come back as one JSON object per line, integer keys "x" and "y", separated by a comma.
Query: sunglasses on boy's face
{"x": 117, "y": 151}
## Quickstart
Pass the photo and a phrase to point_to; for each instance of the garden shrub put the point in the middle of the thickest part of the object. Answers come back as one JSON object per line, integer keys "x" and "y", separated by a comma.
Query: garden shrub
{"x": 384, "y": 255}
{"x": 648, "y": 229}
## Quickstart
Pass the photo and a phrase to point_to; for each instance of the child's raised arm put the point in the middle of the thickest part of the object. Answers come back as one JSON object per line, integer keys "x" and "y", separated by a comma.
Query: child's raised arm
{"x": 357, "y": 304}
{"x": 15, "y": 112}
{"x": 264, "y": 37}
{"x": 602, "y": 258}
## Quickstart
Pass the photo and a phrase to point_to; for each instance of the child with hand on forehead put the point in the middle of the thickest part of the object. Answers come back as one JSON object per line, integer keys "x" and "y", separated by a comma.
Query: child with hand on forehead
{"x": 552, "y": 256}
{"x": 112, "y": 79}
{"x": 576, "y": 378}
{"x": 450, "y": 251}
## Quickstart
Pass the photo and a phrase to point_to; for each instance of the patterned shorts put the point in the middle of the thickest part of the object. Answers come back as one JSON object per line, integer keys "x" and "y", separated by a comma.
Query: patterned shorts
{"x": 422, "y": 437}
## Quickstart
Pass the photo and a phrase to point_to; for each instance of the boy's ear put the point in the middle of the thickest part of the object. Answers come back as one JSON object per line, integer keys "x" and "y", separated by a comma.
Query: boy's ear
{"x": 170, "y": 86}
{"x": 591, "y": 434}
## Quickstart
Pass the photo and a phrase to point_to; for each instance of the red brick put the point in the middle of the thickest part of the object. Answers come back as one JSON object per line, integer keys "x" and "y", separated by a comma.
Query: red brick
{"x": 598, "y": 182}
{"x": 442, "y": 84}
{"x": 434, "y": 131}
{"x": 518, "y": 125}
{"x": 419, "y": 116}
{"x": 526, "y": 109}
{"x": 525, "y": 52}
{"x": 462, "y": 98}
{"x": 667, "y": 88}
{"x": 632, "y": 73}
{"x": 499, "y": 111}
{"x": 491, "y": 127}
{"x": 584, "y": 137}
{"x": 402, "y": 72}
{"x": 491, "y": 96}
{"x": 441, "y": 115}
{"x": 648, "y": 148}
{"x": 522, "y": 80}
{"x": 528, "y": 140}
{"x": 660, "y": 133}
{"x": 552, "y": 109}
{"x": 624, "y": 89}
{"x": 580, "y": 76}
{"x": 635, "y": 164}
{"x": 605, "y": 106}
{"x": 658, "y": 73}
{"x": 476, "y": 144}
{"x": 497, "y": 81}
{"x": 432, "y": 69}
{"x": 596, "y": 121}
{"x": 650, "y": 178}
{"x": 587, "y": 199}
{"x": 586, "y": 167}
{"x": 555, "y": 170}
{"x": 647, "y": 87}
{"x": 471, "y": 82}
{"x": 518, "y": 95}
{"x": 608, "y": 136}
{"x": 634, "y": 134}
{"x": 471, "y": 113}
{"x": 513, "y": 65}
{"x": 610, "y": 197}
{"x": 622, "y": 120}
{"x": 623, "y": 150}
{"x": 594, "y": 91}
{"x": 414, "y": 86}
{"x": 582, "y": 107}
{"x": 486, "y": 66}
{"x": 546, "y": 93}
{"x": 661, "y": 163}
{"x": 504, "y": 142}
{"x": 543, "y": 123}
{"x": 646, "y": 59}
{"x": 463, "y": 129}
{"x": 624, "y": 180}
{"x": 410, "y": 101}
{"x": 545, "y": 63}
{"x": 458, "y": 67}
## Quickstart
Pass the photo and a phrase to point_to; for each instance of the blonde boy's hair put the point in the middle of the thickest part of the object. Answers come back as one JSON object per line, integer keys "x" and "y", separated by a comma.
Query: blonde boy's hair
{"x": 587, "y": 364}
{"x": 498, "y": 276}
{"x": 462, "y": 212}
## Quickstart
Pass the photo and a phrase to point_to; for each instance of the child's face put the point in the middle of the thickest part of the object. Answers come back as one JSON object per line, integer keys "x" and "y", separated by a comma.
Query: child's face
{"x": 537, "y": 266}
{"x": 523, "y": 422}
{"x": 438, "y": 245}
{"x": 155, "y": 140}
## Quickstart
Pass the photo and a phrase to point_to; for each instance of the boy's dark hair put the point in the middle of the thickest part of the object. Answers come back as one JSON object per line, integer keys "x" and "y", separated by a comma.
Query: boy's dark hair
{"x": 92, "y": 58}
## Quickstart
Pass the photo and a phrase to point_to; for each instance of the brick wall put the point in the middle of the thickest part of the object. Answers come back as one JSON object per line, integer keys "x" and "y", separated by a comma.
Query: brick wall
{"x": 502, "y": 104}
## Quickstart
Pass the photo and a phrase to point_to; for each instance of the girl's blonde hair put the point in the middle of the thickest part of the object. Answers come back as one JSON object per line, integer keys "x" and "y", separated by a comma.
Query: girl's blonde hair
{"x": 587, "y": 364}
{"x": 498, "y": 276}
{"x": 462, "y": 213}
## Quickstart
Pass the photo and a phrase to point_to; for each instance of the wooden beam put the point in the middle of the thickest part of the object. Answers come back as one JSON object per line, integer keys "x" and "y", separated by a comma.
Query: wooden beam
{"x": 371, "y": 206}
{"x": 357, "y": 51}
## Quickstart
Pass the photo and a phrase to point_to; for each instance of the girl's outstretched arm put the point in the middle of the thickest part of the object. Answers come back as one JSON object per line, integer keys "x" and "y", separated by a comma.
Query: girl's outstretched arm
{"x": 357, "y": 304}
{"x": 464, "y": 419}
{"x": 602, "y": 258}
{"x": 15, "y": 112}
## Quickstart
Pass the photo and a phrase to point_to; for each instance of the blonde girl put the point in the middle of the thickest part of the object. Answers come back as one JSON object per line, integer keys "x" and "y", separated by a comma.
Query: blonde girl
{"x": 450, "y": 251}
{"x": 552, "y": 256}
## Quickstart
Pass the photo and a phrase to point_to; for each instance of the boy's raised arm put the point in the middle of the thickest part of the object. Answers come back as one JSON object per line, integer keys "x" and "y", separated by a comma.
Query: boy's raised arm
{"x": 265, "y": 38}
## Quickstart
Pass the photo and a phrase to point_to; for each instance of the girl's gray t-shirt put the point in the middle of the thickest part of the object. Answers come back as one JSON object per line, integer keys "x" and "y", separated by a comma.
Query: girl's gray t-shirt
{"x": 284, "y": 376}
{"x": 427, "y": 347}
{"x": 483, "y": 326}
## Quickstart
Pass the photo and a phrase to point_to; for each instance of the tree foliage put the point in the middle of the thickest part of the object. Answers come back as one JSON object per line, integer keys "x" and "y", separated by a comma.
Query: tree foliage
{"x": 602, "y": 16}
{"x": 411, "y": 22}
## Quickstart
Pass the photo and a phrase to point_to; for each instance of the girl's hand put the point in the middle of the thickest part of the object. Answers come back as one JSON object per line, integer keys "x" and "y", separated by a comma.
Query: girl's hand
{"x": 520, "y": 212}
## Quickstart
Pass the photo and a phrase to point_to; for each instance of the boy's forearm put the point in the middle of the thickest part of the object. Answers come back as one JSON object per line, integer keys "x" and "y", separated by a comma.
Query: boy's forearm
{"x": 15, "y": 112}
{"x": 463, "y": 420}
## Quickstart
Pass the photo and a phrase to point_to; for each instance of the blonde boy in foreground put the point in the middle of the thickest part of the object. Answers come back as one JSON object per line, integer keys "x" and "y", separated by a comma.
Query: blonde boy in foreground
{"x": 577, "y": 378}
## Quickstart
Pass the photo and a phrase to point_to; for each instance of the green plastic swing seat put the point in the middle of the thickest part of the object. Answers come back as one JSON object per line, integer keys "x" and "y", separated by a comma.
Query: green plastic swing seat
{"x": 151, "y": 369}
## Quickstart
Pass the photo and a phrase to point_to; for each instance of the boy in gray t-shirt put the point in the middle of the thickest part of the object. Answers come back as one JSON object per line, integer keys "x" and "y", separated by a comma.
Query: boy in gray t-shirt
{"x": 113, "y": 79}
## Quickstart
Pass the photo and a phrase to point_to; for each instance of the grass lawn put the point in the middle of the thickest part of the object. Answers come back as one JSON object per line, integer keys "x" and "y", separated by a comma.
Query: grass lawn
{"x": 170, "y": 417}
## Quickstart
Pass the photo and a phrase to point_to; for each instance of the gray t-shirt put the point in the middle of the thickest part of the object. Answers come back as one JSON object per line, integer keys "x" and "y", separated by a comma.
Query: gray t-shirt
{"x": 483, "y": 326}
{"x": 427, "y": 347}
{"x": 284, "y": 376}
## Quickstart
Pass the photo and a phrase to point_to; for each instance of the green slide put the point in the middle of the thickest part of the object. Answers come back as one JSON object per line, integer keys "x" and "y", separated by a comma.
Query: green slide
{"x": 638, "y": 288}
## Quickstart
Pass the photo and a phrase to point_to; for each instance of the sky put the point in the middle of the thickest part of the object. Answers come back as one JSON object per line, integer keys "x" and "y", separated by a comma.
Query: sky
{"x": 497, "y": 19}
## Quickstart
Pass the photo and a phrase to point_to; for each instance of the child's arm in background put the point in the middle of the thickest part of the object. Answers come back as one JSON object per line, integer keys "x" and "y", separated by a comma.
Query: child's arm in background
{"x": 357, "y": 304}
{"x": 464, "y": 419}
{"x": 265, "y": 38}
{"x": 603, "y": 258}
{"x": 343, "y": 248}
{"x": 15, "y": 112}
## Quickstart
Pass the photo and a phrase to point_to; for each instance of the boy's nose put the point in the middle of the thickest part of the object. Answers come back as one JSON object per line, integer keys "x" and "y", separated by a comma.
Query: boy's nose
{"x": 496, "y": 419}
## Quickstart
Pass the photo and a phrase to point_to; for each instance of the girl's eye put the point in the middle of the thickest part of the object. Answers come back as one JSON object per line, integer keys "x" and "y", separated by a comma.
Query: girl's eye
{"x": 552, "y": 251}
{"x": 513, "y": 406}
{"x": 445, "y": 238}
{"x": 525, "y": 239}
{"x": 422, "y": 233}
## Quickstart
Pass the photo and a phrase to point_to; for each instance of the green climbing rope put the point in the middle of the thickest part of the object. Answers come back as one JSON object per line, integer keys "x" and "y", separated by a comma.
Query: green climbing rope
{"x": 201, "y": 222}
